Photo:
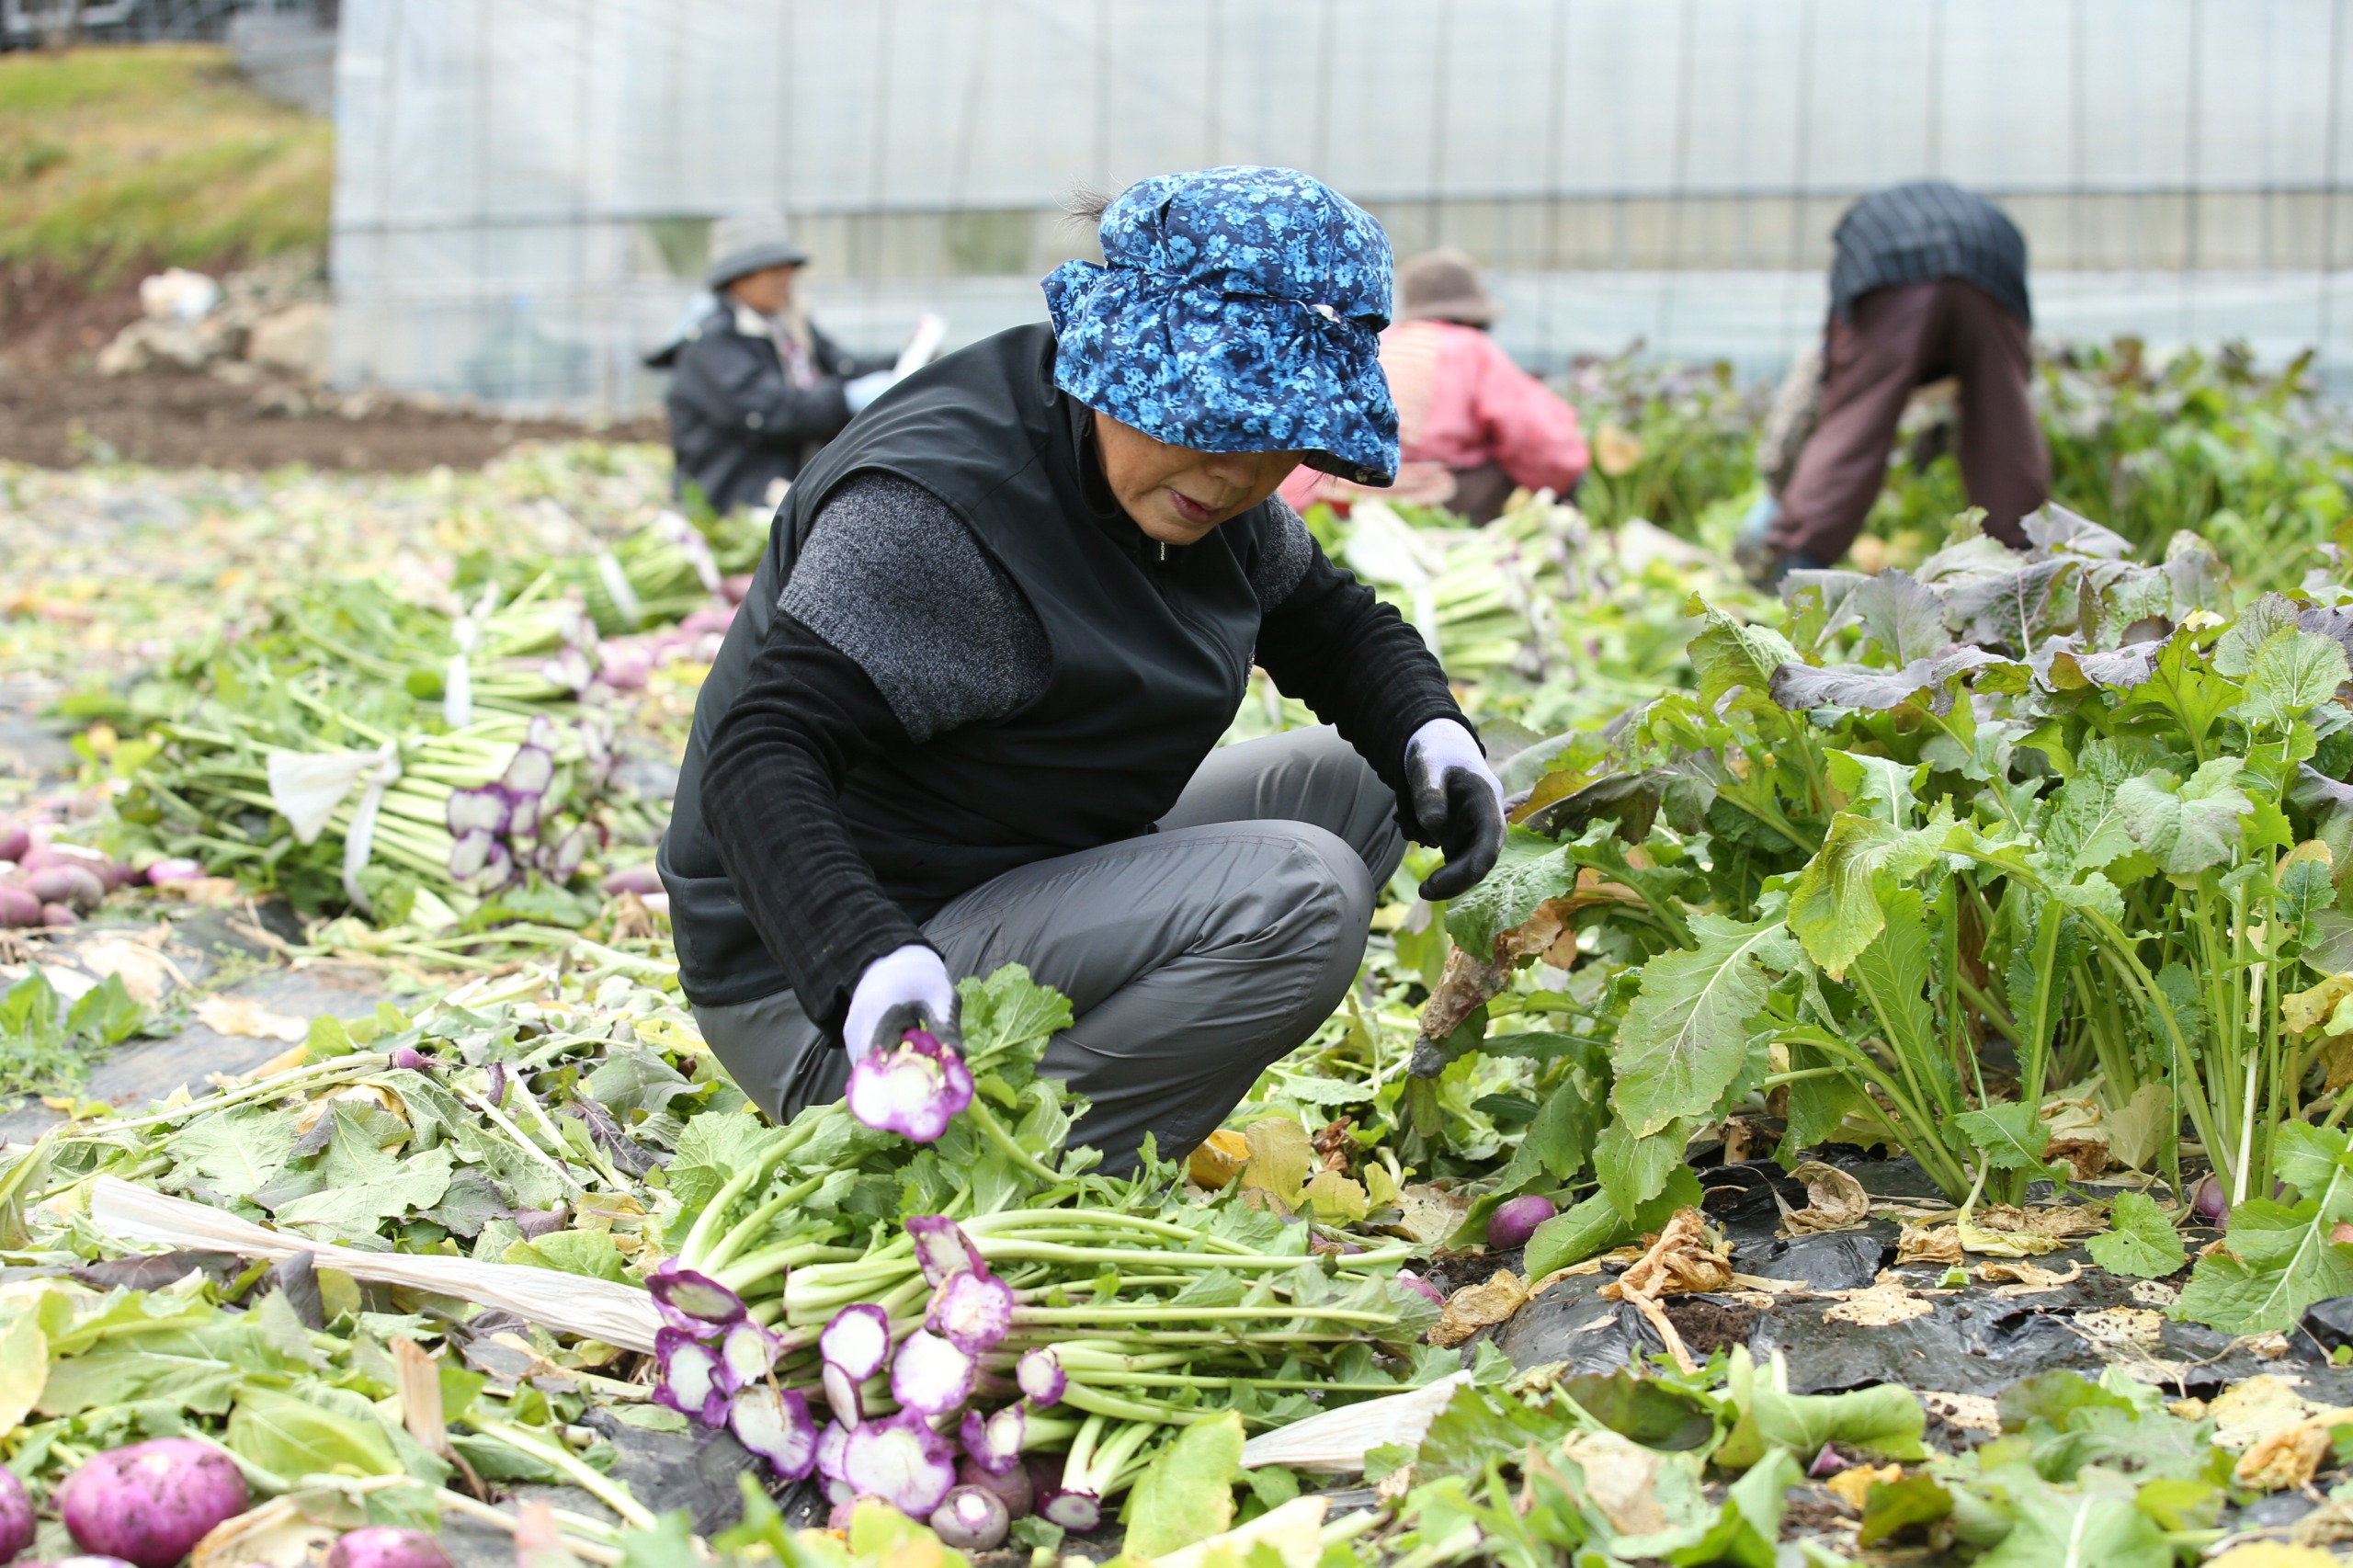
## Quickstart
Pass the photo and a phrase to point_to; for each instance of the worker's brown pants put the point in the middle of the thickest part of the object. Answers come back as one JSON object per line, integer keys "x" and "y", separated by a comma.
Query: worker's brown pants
{"x": 1900, "y": 339}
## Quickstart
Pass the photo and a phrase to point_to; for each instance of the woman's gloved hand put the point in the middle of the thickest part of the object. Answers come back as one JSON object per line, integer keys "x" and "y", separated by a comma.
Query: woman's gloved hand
{"x": 906, "y": 988}
{"x": 1458, "y": 805}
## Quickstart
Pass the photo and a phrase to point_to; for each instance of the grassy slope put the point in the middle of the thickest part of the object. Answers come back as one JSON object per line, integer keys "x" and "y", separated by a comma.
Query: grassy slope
{"x": 114, "y": 156}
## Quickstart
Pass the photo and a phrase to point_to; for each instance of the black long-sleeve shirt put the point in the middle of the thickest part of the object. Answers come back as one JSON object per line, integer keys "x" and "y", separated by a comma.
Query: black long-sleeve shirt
{"x": 896, "y": 626}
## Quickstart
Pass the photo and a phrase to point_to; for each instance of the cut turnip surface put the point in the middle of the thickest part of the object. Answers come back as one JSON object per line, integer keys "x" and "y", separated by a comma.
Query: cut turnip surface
{"x": 972, "y": 1311}
{"x": 484, "y": 810}
{"x": 150, "y": 1503}
{"x": 902, "y": 1461}
{"x": 993, "y": 1442}
{"x": 1040, "y": 1373}
{"x": 384, "y": 1546}
{"x": 1077, "y": 1510}
{"x": 531, "y": 770}
{"x": 931, "y": 1375}
{"x": 857, "y": 1340}
{"x": 775, "y": 1424}
{"x": 915, "y": 1089}
{"x": 692, "y": 1381}
{"x": 942, "y": 1248}
{"x": 843, "y": 1394}
{"x": 971, "y": 1519}
{"x": 748, "y": 1351}
{"x": 693, "y": 1302}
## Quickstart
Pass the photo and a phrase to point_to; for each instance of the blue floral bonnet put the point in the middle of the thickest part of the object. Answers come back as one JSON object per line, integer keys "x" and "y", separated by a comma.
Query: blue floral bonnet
{"x": 1238, "y": 309}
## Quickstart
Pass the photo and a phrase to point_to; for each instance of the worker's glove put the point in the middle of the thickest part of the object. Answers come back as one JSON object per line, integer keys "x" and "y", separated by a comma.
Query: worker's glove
{"x": 860, "y": 391}
{"x": 1458, "y": 805}
{"x": 906, "y": 988}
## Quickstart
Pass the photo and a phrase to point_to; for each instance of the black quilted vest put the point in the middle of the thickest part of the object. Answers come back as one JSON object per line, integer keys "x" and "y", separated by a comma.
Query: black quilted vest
{"x": 1151, "y": 650}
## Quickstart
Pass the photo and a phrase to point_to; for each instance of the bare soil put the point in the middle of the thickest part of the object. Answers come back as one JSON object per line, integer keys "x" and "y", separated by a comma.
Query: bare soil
{"x": 64, "y": 418}
{"x": 57, "y": 412}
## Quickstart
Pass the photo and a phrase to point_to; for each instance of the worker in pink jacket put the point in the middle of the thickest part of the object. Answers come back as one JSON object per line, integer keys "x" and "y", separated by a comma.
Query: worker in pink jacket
{"x": 1473, "y": 427}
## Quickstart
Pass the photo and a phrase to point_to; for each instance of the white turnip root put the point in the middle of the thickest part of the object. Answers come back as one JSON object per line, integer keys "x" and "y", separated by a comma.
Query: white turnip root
{"x": 150, "y": 1503}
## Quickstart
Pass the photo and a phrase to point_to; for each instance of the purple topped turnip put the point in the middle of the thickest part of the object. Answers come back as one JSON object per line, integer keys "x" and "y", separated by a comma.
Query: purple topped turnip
{"x": 151, "y": 1503}
{"x": 16, "y": 841}
{"x": 1421, "y": 1286}
{"x": 77, "y": 887}
{"x": 384, "y": 1546}
{"x": 408, "y": 1056}
{"x": 15, "y": 1517}
{"x": 639, "y": 879}
{"x": 915, "y": 1089}
{"x": 971, "y": 1519}
{"x": 179, "y": 869}
{"x": 54, "y": 915}
{"x": 1513, "y": 1223}
{"x": 18, "y": 907}
{"x": 1012, "y": 1488}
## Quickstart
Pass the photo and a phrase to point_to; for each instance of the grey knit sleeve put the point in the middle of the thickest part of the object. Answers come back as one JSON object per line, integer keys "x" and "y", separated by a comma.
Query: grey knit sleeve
{"x": 892, "y": 579}
{"x": 1285, "y": 550}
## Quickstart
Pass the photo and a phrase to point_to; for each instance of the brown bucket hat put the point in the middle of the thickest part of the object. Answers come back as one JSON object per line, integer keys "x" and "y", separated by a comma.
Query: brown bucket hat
{"x": 1443, "y": 285}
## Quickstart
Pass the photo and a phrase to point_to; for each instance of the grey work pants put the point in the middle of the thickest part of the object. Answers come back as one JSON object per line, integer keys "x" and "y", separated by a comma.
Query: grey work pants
{"x": 1193, "y": 957}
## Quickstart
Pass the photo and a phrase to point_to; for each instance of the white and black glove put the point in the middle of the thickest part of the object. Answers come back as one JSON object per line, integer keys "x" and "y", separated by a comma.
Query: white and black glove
{"x": 906, "y": 988}
{"x": 1458, "y": 805}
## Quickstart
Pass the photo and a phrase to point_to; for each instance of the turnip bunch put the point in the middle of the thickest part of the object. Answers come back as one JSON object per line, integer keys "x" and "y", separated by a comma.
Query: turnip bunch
{"x": 1021, "y": 1305}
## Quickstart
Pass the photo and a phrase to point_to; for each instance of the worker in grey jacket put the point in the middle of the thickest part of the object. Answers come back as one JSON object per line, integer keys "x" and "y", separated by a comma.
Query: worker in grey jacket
{"x": 969, "y": 713}
{"x": 756, "y": 389}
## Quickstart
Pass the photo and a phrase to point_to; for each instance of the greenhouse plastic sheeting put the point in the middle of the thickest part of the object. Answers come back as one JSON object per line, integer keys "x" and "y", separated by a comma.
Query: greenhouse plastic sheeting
{"x": 524, "y": 187}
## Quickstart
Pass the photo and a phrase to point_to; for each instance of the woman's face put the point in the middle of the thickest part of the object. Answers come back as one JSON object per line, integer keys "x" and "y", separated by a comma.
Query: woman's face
{"x": 1177, "y": 494}
{"x": 768, "y": 290}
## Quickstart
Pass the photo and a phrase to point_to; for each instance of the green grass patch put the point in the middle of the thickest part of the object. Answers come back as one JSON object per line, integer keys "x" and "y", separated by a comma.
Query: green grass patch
{"x": 111, "y": 157}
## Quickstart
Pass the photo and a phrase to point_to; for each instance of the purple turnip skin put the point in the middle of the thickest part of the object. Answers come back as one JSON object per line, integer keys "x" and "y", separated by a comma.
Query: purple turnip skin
{"x": 972, "y": 1520}
{"x": 1416, "y": 1283}
{"x": 1512, "y": 1223}
{"x": 15, "y": 1517}
{"x": 1012, "y": 1488}
{"x": 177, "y": 869}
{"x": 415, "y": 1061}
{"x": 692, "y": 1380}
{"x": 639, "y": 880}
{"x": 58, "y": 914}
{"x": 843, "y": 1509}
{"x": 18, "y": 907}
{"x": 16, "y": 841}
{"x": 77, "y": 887}
{"x": 1044, "y": 1473}
{"x": 151, "y": 1503}
{"x": 383, "y": 1546}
